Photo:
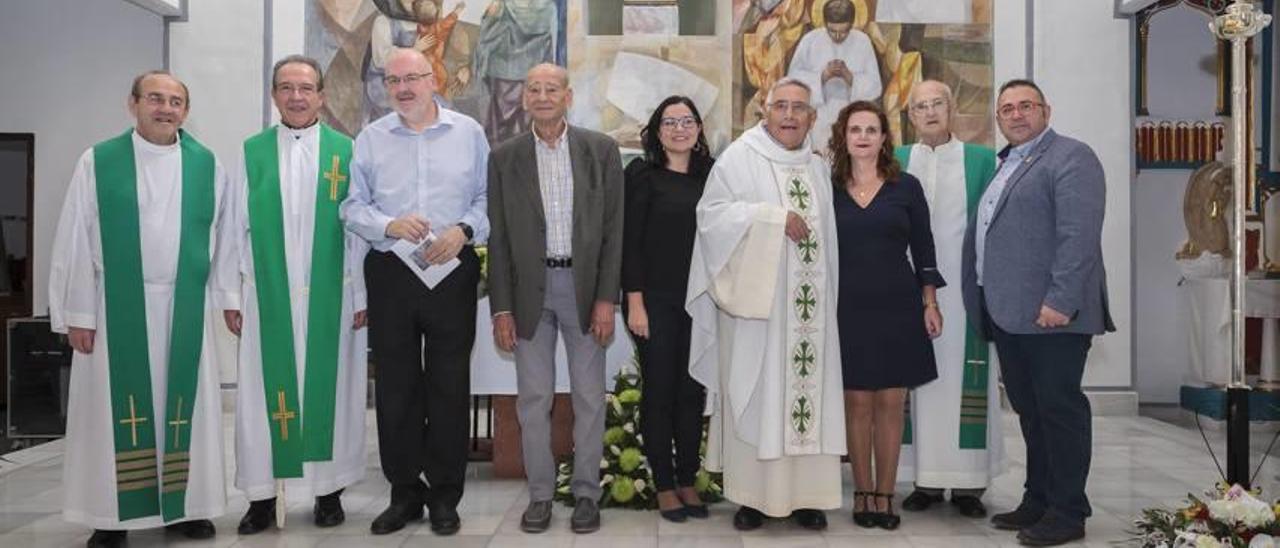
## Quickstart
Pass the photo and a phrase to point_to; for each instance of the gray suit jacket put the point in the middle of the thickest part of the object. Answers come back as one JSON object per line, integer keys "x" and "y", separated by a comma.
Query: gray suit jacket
{"x": 518, "y": 238}
{"x": 1044, "y": 244}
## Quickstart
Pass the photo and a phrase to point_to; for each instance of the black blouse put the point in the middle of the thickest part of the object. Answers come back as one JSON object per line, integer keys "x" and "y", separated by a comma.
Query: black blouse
{"x": 659, "y": 225}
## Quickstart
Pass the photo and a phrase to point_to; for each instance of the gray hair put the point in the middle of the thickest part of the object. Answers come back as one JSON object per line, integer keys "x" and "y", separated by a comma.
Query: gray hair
{"x": 946, "y": 91}
{"x": 784, "y": 82}
{"x": 299, "y": 59}
{"x": 135, "y": 90}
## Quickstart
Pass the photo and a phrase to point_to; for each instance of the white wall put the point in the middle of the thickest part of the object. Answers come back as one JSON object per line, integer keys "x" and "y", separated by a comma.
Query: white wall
{"x": 217, "y": 51}
{"x": 1182, "y": 85}
{"x": 67, "y": 66}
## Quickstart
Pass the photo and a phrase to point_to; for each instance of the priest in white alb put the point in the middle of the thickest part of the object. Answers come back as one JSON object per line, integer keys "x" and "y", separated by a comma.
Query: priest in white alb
{"x": 128, "y": 285}
{"x": 954, "y": 439}
{"x": 762, "y": 295}
{"x": 291, "y": 286}
{"x": 838, "y": 63}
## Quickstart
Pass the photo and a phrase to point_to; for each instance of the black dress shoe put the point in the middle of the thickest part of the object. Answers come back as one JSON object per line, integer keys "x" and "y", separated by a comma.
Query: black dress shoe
{"x": 747, "y": 519}
{"x": 919, "y": 501}
{"x": 697, "y": 511}
{"x": 395, "y": 517}
{"x": 103, "y": 538}
{"x": 1051, "y": 531}
{"x": 194, "y": 529}
{"x": 1022, "y": 517}
{"x": 260, "y": 516}
{"x": 445, "y": 520}
{"x": 865, "y": 518}
{"x": 968, "y": 505}
{"x": 675, "y": 515}
{"x": 887, "y": 520}
{"x": 328, "y": 510}
{"x": 813, "y": 520}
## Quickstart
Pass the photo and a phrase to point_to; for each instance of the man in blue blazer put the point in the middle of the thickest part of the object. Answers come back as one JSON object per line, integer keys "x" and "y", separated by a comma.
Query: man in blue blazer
{"x": 1033, "y": 262}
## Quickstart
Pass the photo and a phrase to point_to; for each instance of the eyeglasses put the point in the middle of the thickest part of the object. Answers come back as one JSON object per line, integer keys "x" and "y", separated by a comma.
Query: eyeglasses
{"x": 1025, "y": 108}
{"x": 305, "y": 90}
{"x": 156, "y": 100}
{"x": 926, "y": 106}
{"x": 782, "y": 107}
{"x": 409, "y": 79}
{"x": 687, "y": 122}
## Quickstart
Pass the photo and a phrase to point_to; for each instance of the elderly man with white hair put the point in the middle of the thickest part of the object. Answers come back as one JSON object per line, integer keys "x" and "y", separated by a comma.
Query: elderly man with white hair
{"x": 954, "y": 440}
{"x": 762, "y": 295}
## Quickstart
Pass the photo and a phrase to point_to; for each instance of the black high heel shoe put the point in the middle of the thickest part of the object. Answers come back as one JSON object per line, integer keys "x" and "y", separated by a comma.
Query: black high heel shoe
{"x": 867, "y": 517}
{"x": 887, "y": 520}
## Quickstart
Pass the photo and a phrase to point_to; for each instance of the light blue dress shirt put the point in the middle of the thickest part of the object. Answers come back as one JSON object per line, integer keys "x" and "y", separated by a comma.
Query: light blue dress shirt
{"x": 440, "y": 173}
{"x": 991, "y": 197}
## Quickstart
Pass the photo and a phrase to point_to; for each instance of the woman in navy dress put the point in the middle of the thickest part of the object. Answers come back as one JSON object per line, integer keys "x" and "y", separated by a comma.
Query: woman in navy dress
{"x": 887, "y": 309}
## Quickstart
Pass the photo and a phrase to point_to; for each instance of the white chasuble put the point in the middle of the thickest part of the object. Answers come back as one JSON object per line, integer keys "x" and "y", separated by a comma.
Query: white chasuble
{"x": 77, "y": 298}
{"x": 934, "y": 455}
{"x": 764, "y": 340}
{"x": 235, "y": 289}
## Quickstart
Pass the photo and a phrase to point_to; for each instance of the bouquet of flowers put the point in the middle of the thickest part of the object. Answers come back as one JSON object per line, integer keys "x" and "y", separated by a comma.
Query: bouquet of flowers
{"x": 1232, "y": 517}
{"x": 624, "y": 470}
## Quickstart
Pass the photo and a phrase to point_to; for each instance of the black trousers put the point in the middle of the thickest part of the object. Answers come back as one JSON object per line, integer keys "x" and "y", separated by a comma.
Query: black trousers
{"x": 421, "y": 341}
{"x": 672, "y": 402}
{"x": 1042, "y": 375}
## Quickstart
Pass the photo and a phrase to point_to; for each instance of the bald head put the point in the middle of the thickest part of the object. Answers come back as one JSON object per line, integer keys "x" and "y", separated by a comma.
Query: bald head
{"x": 548, "y": 70}
{"x": 410, "y": 58}
{"x": 930, "y": 112}
{"x": 547, "y": 95}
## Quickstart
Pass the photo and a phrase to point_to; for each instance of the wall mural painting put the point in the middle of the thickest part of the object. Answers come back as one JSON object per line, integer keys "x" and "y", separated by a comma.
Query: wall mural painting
{"x": 624, "y": 56}
{"x": 480, "y": 51}
{"x": 877, "y": 51}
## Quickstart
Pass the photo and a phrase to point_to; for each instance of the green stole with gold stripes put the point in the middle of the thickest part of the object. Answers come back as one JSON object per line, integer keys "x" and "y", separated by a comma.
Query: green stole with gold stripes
{"x": 979, "y": 168}
{"x": 290, "y": 445}
{"x": 142, "y": 490}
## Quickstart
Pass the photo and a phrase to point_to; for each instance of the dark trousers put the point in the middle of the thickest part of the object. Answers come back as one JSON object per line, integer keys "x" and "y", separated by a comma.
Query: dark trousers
{"x": 421, "y": 341}
{"x": 672, "y": 402}
{"x": 1042, "y": 375}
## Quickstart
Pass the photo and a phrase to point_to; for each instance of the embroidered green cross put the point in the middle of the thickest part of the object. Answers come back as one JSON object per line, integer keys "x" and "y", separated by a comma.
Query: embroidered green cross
{"x": 799, "y": 195}
{"x": 808, "y": 248}
{"x": 806, "y": 301}
{"x": 801, "y": 414}
{"x": 804, "y": 358}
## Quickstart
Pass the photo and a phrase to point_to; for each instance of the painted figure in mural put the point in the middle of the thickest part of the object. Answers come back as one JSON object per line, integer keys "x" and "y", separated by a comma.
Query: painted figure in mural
{"x": 839, "y": 63}
{"x": 414, "y": 24}
{"x": 778, "y": 25}
{"x": 514, "y": 36}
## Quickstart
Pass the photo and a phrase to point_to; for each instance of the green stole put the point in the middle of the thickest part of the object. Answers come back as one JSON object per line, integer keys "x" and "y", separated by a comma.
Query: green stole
{"x": 291, "y": 446}
{"x": 979, "y": 168}
{"x": 142, "y": 490}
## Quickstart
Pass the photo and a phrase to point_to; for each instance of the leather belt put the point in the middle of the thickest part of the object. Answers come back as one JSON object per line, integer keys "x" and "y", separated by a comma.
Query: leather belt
{"x": 559, "y": 262}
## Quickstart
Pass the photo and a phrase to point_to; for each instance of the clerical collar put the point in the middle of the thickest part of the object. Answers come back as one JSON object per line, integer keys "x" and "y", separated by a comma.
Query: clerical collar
{"x": 298, "y": 133}
{"x": 140, "y": 142}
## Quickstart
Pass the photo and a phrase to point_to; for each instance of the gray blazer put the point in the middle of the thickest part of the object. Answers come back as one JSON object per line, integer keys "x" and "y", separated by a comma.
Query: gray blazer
{"x": 518, "y": 238}
{"x": 1044, "y": 244}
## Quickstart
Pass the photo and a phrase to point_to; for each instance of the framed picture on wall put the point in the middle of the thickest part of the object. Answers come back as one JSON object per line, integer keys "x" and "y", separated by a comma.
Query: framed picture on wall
{"x": 1270, "y": 141}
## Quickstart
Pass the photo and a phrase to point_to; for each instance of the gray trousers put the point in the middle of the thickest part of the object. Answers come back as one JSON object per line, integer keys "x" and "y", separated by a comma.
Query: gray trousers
{"x": 536, "y": 383}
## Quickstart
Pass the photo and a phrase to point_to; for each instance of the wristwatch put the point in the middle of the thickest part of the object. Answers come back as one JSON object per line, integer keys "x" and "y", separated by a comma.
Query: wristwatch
{"x": 467, "y": 231}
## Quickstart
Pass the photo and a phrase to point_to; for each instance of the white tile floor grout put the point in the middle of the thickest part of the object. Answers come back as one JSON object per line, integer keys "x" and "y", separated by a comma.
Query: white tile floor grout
{"x": 1137, "y": 462}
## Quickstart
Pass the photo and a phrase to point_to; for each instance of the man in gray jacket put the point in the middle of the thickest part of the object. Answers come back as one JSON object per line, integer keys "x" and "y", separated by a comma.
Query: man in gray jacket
{"x": 1033, "y": 262}
{"x": 555, "y": 266}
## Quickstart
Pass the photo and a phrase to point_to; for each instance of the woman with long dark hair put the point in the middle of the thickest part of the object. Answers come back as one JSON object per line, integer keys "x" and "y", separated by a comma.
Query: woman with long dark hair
{"x": 888, "y": 309}
{"x": 662, "y": 190}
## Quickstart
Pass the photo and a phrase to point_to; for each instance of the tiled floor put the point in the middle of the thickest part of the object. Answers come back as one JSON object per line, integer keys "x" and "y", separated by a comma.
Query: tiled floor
{"x": 1137, "y": 462}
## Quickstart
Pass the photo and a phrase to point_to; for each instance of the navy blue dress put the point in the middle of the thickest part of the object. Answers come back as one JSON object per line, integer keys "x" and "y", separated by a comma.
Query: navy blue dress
{"x": 883, "y": 341}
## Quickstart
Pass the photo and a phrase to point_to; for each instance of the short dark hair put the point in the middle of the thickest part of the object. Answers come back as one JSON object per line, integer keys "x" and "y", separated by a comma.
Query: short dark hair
{"x": 135, "y": 90}
{"x": 1020, "y": 83}
{"x": 838, "y": 11}
{"x": 300, "y": 59}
